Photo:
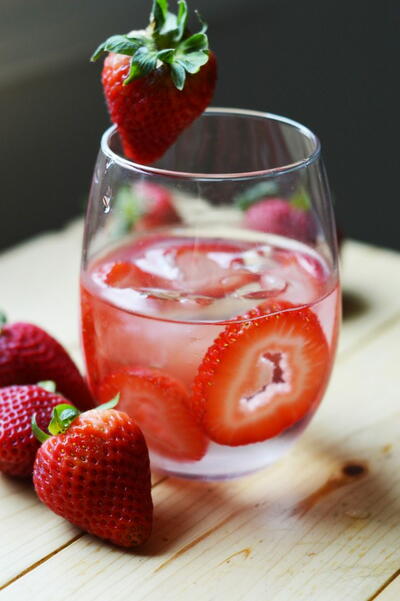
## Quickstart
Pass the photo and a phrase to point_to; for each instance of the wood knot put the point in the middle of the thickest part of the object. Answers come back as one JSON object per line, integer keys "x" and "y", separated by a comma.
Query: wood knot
{"x": 354, "y": 470}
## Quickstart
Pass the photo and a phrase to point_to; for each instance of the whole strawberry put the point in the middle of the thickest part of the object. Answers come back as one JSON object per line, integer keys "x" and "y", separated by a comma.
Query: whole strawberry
{"x": 94, "y": 471}
{"x": 278, "y": 216}
{"x": 157, "y": 81}
{"x": 18, "y": 445}
{"x": 158, "y": 206}
{"x": 29, "y": 355}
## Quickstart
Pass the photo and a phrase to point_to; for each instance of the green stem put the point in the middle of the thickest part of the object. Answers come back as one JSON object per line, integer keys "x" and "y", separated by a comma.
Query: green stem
{"x": 38, "y": 432}
{"x": 3, "y": 320}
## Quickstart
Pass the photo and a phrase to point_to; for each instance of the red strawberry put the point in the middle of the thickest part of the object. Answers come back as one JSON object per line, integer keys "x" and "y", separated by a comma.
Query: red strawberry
{"x": 95, "y": 473}
{"x": 18, "y": 445}
{"x": 158, "y": 403}
{"x": 278, "y": 216}
{"x": 261, "y": 375}
{"x": 124, "y": 274}
{"x": 29, "y": 355}
{"x": 210, "y": 269}
{"x": 157, "y": 81}
{"x": 156, "y": 201}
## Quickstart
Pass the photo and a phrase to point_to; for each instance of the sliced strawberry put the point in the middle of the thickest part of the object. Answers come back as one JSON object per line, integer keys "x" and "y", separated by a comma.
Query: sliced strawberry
{"x": 304, "y": 274}
{"x": 159, "y": 404}
{"x": 211, "y": 269}
{"x": 128, "y": 275}
{"x": 124, "y": 274}
{"x": 261, "y": 375}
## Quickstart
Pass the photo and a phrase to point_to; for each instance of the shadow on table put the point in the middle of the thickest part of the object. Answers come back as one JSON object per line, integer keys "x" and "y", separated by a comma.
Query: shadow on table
{"x": 186, "y": 505}
{"x": 354, "y": 305}
{"x": 299, "y": 491}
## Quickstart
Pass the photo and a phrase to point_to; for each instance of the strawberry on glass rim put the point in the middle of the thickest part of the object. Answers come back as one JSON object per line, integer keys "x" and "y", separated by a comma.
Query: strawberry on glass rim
{"x": 157, "y": 81}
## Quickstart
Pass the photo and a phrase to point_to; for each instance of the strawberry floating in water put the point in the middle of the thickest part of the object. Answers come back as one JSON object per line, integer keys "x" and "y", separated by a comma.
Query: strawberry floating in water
{"x": 159, "y": 404}
{"x": 261, "y": 375}
{"x": 157, "y": 81}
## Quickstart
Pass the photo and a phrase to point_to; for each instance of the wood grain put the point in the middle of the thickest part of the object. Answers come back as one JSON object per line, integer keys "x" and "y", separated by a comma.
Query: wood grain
{"x": 321, "y": 524}
{"x": 322, "y": 521}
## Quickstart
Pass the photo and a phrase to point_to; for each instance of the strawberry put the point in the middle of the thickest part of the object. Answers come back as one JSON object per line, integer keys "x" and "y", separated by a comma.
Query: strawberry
{"x": 141, "y": 207}
{"x": 18, "y": 445}
{"x": 210, "y": 269}
{"x": 278, "y": 216}
{"x": 261, "y": 375}
{"x": 266, "y": 211}
{"x": 94, "y": 471}
{"x": 205, "y": 268}
{"x": 157, "y": 81}
{"x": 158, "y": 403}
{"x": 124, "y": 274}
{"x": 28, "y": 355}
{"x": 158, "y": 207}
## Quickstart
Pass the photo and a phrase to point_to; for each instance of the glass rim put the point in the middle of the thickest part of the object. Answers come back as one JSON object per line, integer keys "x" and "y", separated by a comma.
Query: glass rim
{"x": 273, "y": 172}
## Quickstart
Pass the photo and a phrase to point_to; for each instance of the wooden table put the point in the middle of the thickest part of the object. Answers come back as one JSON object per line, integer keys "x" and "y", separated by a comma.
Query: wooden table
{"x": 322, "y": 524}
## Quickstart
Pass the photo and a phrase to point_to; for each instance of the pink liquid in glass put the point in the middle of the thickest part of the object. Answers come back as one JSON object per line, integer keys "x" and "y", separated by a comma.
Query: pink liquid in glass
{"x": 159, "y": 303}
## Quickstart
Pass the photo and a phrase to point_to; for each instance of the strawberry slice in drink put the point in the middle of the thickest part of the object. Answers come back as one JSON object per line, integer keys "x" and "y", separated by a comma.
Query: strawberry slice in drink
{"x": 304, "y": 274}
{"x": 159, "y": 404}
{"x": 261, "y": 375}
{"x": 210, "y": 269}
{"x": 124, "y": 274}
{"x": 207, "y": 269}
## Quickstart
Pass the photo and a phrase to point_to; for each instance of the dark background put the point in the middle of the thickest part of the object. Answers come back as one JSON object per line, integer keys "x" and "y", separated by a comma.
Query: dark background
{"x": 331, "y": 64}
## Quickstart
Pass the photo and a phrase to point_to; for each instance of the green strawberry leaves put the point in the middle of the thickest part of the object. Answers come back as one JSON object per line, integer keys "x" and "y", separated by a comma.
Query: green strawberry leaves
{"x": 251, "y": 195}
{"x": 3, "y": 320}
{"x": 38, "y": 432}
{"x": 167, "y": 24}
{"x": 143, "y": 62}
{"x": 300, "y": 199}
{"x": 166, "y": 41}
{"x": 109, "y": 404}
{"x": 120, "y": 44}
{"x": 62, "y": 417}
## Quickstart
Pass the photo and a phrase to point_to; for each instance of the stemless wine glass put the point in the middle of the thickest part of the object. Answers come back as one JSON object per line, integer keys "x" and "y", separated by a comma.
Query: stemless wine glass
{"x": 210, "y": 293}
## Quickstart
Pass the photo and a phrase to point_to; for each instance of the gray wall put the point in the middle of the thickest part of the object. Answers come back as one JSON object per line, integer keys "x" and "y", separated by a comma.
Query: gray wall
{"x": 331, "y": 65}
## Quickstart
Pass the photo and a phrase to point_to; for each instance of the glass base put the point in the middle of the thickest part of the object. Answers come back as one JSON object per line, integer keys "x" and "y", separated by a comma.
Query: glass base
{"x": 227, "y": 463}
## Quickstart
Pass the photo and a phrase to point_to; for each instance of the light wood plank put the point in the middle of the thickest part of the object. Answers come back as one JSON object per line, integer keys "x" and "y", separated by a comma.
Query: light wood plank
{"x": 371, "y": 287}
{"x": 299, "y": 531}
{"x": 391, "y": 592}
{"x": 31, "y": 532}
{"x": 40, "y": 283}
